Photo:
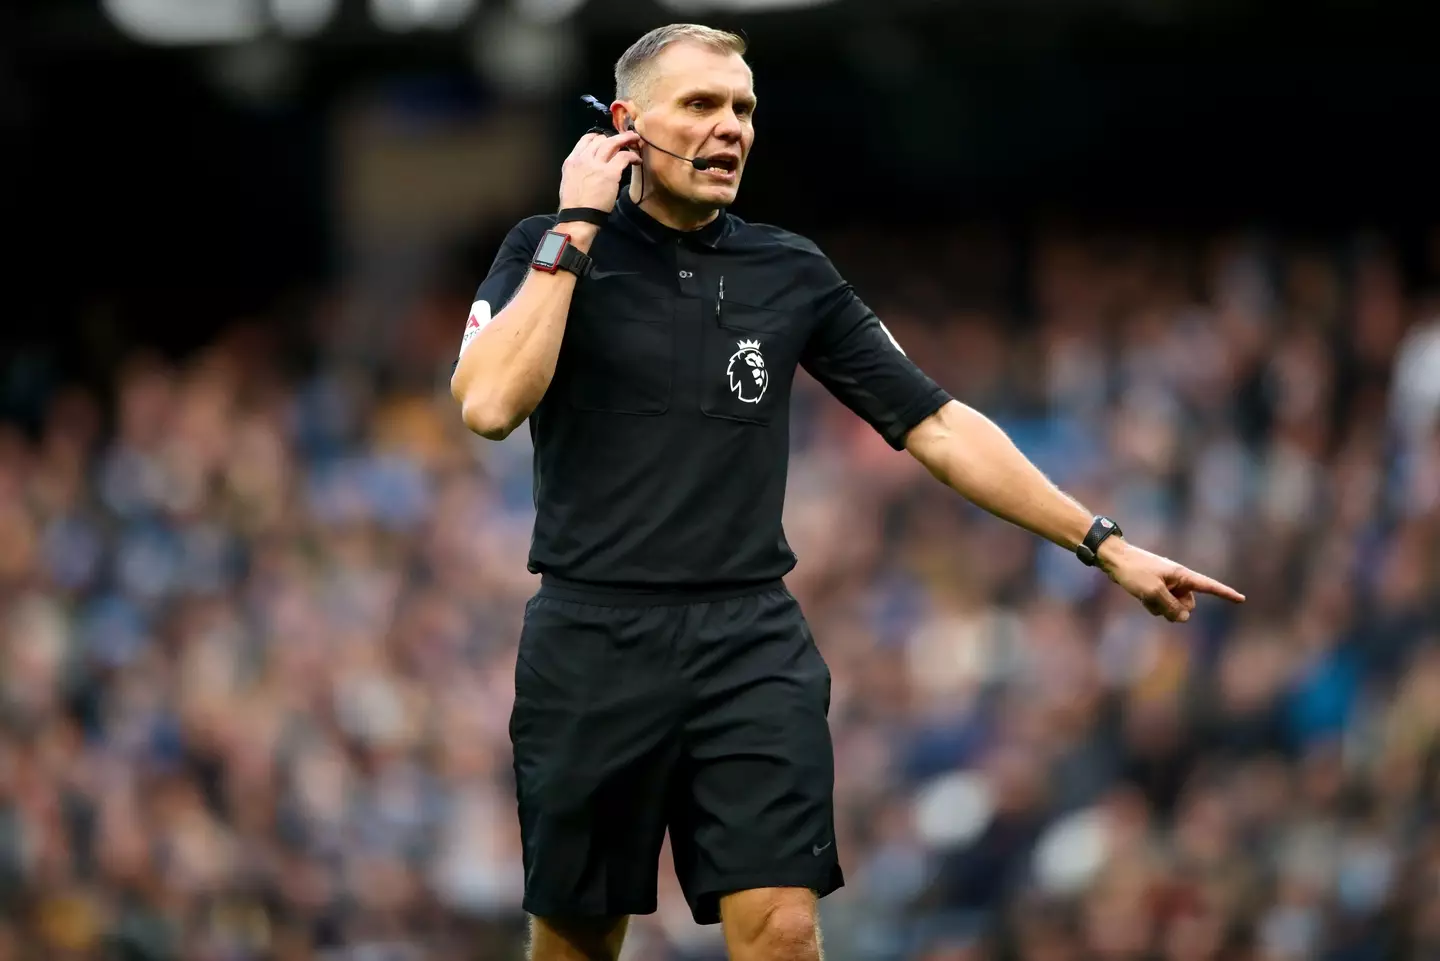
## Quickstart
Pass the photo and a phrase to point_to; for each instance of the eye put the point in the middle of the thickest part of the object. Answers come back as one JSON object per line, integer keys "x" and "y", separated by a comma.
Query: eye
{"x": 698, "y": 104}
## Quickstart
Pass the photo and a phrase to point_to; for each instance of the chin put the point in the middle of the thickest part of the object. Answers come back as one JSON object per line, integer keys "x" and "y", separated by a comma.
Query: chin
{"x": 715, "y": 196}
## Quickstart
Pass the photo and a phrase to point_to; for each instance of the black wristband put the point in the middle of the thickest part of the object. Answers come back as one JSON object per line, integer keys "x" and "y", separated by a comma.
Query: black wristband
{"x": 588, "y": 215}
{"x": 1100, "y": 528}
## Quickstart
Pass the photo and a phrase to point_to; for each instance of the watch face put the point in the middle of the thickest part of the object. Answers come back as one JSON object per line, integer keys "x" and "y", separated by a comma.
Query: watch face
{"x": 550, "y": 247}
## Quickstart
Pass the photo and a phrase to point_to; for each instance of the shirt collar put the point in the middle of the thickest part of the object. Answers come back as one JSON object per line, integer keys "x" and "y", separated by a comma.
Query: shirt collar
{"x": 709, "y": 235}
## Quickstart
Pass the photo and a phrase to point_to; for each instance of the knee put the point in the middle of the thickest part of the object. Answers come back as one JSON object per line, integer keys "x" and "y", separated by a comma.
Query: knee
{"x": 787, "y": 931}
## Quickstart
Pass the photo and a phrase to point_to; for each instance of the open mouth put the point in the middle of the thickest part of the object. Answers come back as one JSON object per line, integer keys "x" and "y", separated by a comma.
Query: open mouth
{"x": 722, "y": 164}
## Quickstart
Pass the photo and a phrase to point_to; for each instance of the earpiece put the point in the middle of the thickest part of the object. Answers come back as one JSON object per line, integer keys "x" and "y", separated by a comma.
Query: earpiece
{"x": 699, "y": 163}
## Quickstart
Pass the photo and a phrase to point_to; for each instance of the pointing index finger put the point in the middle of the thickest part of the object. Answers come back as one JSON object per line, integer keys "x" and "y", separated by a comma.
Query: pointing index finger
{"x": 1208, "y": 585}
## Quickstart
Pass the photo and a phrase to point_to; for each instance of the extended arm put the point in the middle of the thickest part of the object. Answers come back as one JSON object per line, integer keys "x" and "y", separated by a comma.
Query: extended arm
{"x": 855, "y": 357}
{"x": 966, "y": 451}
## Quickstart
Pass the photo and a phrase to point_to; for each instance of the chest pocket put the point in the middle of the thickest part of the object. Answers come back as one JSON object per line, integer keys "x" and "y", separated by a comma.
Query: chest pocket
{"x": 620, "y": 358}
{"x": 747, "y": 363}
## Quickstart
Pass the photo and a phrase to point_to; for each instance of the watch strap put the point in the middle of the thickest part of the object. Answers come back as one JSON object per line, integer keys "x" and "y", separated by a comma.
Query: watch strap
{"x": 1100, "y": 528}
{"x": 587, "y": 215}
{"x": 576, "y": 261}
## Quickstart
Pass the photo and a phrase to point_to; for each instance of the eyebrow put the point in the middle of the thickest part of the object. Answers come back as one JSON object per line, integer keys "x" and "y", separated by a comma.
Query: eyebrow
{"x": 747, "y": 100}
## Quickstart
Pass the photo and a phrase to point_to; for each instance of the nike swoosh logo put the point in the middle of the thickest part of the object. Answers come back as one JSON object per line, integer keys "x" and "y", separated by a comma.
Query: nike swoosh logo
{"x": 817, "y": 849}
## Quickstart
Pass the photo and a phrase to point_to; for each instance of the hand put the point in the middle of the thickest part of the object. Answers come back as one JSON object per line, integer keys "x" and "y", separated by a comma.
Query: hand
{"x": 590, "y": 176}
{"x": 1166, "y": 588}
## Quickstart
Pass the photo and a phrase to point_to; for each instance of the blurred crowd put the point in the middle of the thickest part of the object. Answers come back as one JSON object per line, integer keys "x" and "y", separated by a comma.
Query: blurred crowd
{"x": 260, "y": 607}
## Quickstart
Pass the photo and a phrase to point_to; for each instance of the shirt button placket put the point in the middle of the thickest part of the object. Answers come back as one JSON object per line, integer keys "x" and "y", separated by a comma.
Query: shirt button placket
{"x": 687, "y": 263}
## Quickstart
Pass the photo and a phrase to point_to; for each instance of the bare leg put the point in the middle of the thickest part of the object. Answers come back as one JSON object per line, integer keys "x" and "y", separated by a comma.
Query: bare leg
{"x": 591, "y": 939}
{"x": 771, "y": 924}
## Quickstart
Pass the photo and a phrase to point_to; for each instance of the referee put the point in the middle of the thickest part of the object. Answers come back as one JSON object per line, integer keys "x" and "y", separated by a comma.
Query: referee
{"x": 666, "y": 679}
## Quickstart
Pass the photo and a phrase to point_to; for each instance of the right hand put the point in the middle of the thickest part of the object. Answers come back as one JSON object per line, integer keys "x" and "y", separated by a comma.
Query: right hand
{"x": 1166, "y": 588}
{"x": 590, "y": 176}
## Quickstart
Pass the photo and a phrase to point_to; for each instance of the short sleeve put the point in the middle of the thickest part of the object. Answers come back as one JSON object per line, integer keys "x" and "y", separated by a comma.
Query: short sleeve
{"x": 507, "y": 273}
{"x": 856, "y": 358}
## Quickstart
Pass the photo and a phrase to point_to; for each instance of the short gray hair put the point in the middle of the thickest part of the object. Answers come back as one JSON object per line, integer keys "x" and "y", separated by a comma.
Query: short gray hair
{"x": 632, "y": 67}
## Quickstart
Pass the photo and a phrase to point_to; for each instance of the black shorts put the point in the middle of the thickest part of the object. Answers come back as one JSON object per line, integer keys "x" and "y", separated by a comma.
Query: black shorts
{"x": 634, "y": 715}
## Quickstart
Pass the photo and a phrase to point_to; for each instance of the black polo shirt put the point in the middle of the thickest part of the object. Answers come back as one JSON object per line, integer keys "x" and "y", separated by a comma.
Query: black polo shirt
{"x": 662, "y": 444}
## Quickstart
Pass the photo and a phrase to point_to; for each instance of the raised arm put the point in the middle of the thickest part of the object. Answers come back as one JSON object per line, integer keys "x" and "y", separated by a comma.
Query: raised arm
{"x": 513, "y": 335}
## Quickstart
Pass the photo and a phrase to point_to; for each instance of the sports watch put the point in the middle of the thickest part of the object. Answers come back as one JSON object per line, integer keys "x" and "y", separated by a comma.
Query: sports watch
{"x": 555, "y": 253}
{"x": 1101, "y": 528}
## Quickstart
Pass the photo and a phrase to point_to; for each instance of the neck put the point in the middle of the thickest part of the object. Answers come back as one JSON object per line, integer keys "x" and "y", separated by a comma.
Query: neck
{"x": 668, "y": 209}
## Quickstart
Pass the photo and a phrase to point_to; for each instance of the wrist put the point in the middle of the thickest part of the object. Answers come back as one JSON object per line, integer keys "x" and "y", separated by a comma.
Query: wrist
{"x": 582, "y": 234}
{"x": 1112, "y": 551}
{"x": 1097, "y": 548}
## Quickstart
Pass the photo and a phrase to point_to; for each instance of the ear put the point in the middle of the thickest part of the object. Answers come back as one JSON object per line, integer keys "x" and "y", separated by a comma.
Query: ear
{"x": 622, "y": 115}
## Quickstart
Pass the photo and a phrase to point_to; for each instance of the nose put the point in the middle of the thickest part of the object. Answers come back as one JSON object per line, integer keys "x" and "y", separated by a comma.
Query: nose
{"x": 729, "y": 129}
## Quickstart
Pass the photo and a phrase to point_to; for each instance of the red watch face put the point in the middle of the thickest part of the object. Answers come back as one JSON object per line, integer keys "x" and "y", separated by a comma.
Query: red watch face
{"x": 552, "y": 245}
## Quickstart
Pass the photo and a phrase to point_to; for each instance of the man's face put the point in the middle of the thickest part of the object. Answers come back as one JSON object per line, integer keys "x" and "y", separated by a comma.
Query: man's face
{"x": 698, "y": 103}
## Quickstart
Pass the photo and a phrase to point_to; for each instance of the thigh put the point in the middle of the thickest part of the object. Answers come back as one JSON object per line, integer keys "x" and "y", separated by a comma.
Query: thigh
{"x": 757, "y": 809}
{"x": 595, "y": 736}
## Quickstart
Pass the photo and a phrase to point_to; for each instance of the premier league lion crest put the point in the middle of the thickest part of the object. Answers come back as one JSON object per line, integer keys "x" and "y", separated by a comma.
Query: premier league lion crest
{"x": 747, "y": 373}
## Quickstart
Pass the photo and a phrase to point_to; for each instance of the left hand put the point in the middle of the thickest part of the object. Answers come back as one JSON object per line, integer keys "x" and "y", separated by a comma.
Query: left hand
{"x": 1166, "y": 588}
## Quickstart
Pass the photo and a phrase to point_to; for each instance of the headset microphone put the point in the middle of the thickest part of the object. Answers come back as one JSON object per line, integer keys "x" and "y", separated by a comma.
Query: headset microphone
{"x": 699, "y": 163}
